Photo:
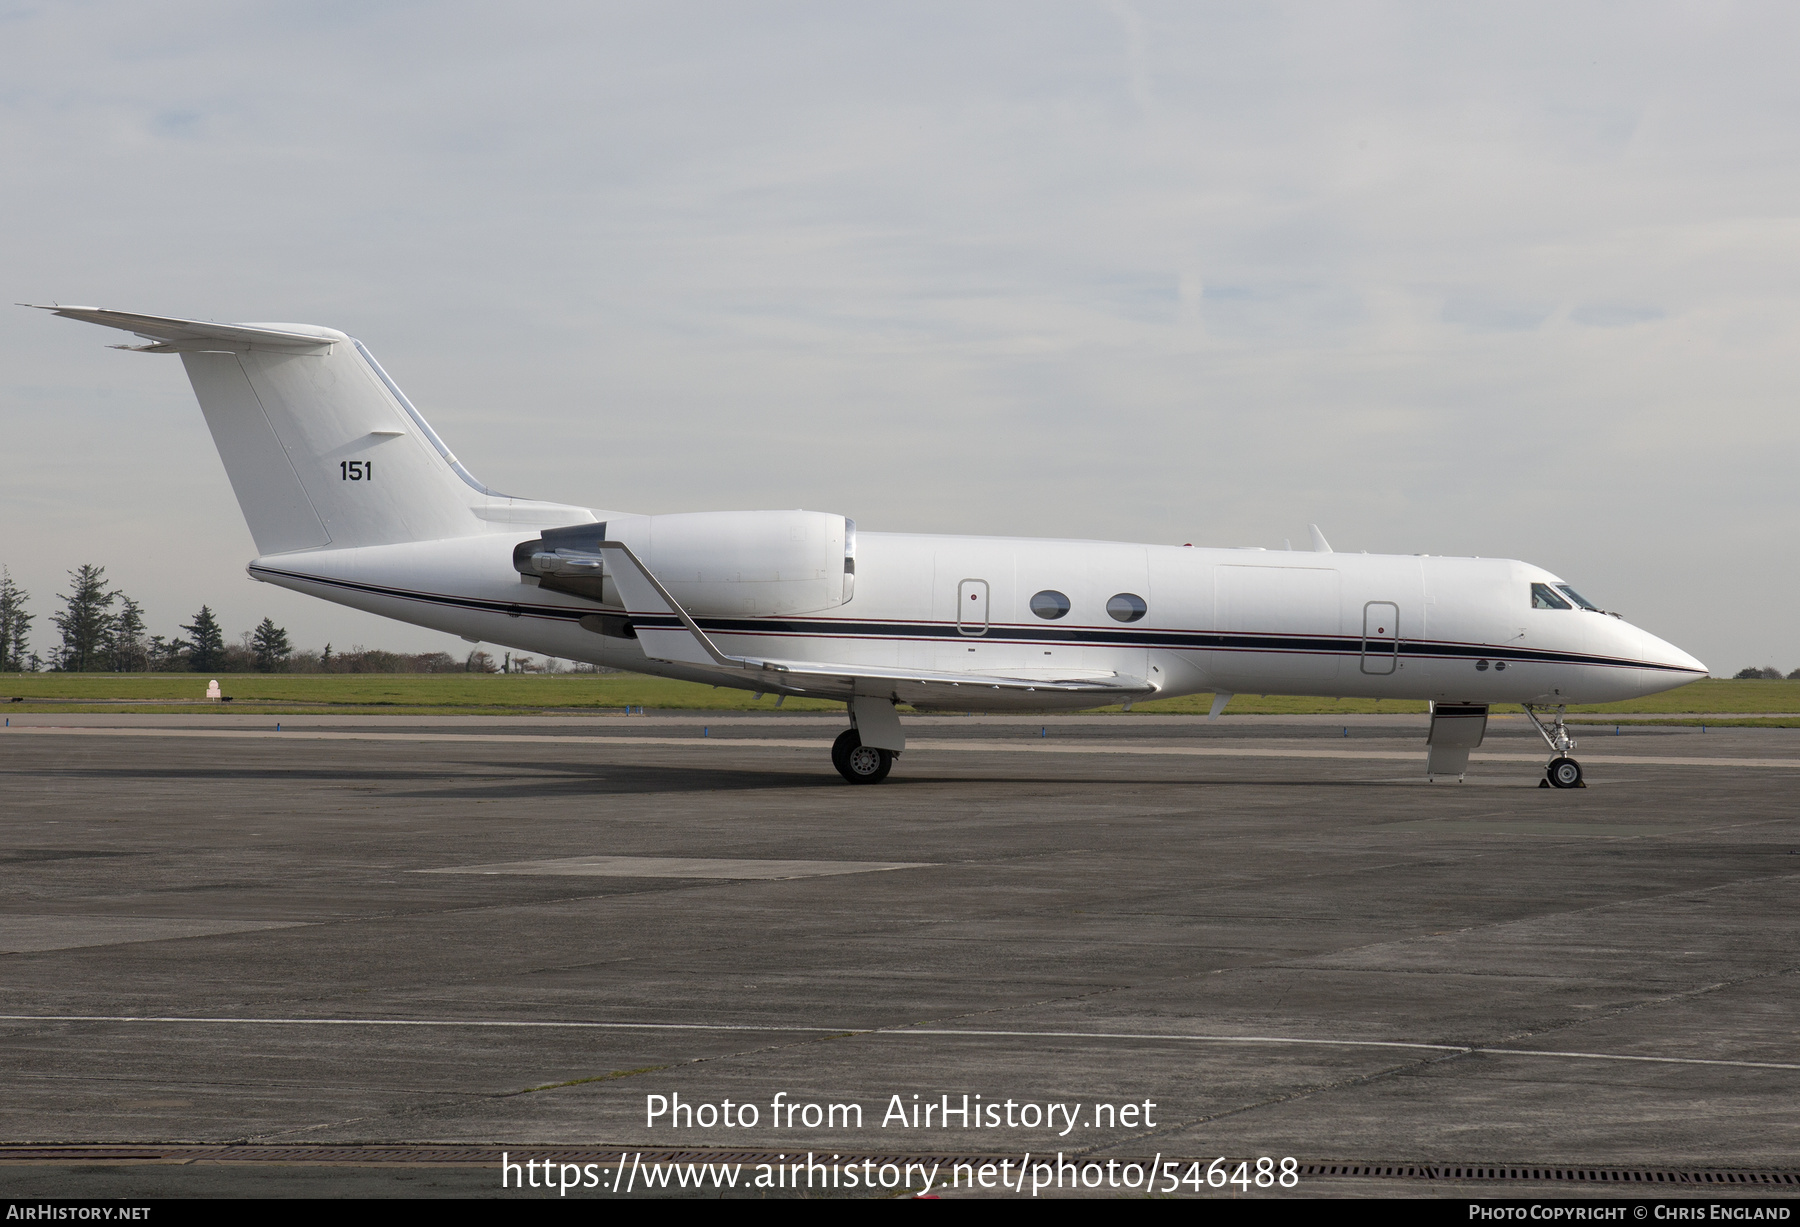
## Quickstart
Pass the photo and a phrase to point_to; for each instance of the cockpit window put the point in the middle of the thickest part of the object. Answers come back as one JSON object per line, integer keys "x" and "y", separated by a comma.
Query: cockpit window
{"x": 1577, "y": 597}
{"x": 1544, "y": 597}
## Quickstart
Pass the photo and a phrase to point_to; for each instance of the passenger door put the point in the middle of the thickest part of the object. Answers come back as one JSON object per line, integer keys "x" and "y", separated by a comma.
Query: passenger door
{"x": 1380, "y": 637}
{"x": 972, "y": 607}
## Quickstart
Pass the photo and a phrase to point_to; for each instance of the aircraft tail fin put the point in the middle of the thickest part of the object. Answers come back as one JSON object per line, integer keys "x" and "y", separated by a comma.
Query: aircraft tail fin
{"x": 322, "y": 448}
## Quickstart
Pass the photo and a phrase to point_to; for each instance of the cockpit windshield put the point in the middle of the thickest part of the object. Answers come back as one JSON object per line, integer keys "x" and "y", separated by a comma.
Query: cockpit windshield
{"x": 1543, "y": 596}
{"x": 1577, "y": 597}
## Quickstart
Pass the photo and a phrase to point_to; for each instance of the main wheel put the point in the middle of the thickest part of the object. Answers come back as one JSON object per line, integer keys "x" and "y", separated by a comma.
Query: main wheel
{"x": 858, "y": 763}
{"x": 1564, "y": 773}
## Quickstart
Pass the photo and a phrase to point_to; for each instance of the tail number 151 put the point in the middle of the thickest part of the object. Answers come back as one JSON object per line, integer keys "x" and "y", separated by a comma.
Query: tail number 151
{"x": 356, "y": 470}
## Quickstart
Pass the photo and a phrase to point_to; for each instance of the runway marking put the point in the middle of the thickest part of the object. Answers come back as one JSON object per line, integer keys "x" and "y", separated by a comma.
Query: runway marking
{"x": 963, "y": 746}
{"x": 900, "y": 1032}
{"x": 1502, "y": 826}
{"x": 682, "y": 867}
{"x": 794, "y": 743}
{"x": 34, "y": 934}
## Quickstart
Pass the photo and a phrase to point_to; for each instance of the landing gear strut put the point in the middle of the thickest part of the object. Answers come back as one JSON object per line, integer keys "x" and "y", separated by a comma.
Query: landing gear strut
{"x": 1562, "y": 771}
{"x": 858, "y": 763}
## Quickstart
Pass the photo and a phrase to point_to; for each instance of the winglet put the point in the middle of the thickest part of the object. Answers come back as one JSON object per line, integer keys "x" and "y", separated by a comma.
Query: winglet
{"x": 643, "y": 593}
{"x": 1320, "y": 545}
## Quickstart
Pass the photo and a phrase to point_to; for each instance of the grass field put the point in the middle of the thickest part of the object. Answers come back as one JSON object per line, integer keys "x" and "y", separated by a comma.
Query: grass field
{"x": 493, "y": 693}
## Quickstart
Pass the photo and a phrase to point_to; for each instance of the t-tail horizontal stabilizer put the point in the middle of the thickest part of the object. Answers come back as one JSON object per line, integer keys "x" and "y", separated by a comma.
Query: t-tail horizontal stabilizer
{"x": 168, "y": 335}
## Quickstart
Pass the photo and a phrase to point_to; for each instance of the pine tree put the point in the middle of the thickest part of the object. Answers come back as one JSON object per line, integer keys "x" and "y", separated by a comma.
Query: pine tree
{"x": 168, "y": 655}
{"x": 125, "y": 648}
{"x": 208, "y": 650}
{"x": 14, "y": 622}
{"x": 85, "y": 620}
{"x": 270, "y": 643}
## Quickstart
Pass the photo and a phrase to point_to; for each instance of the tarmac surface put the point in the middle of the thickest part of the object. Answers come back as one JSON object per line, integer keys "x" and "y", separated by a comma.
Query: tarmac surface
{"x": 460, "y": 936}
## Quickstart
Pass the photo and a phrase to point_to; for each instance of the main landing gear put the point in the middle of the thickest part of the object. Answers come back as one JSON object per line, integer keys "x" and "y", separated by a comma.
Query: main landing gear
{"x": 1562, "y": 771}
{"x": 858, "y": 763}
{"x": 865, "y": 752}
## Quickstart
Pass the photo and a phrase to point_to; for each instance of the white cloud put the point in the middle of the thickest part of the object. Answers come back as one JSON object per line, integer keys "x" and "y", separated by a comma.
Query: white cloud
{"x": 1509, "y": 281}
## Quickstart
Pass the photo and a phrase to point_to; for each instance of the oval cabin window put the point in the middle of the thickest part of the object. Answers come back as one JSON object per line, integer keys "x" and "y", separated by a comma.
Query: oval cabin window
{"x": 1126, "y": 607}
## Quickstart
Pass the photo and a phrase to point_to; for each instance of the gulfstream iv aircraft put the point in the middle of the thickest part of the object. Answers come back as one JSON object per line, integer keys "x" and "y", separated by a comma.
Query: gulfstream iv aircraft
{"x": 352, "y": 497}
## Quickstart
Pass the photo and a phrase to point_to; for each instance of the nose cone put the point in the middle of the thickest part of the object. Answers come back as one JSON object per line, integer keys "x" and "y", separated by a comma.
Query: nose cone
{"x": 1678, "y": 659}
{"x": 1661, "y": 665}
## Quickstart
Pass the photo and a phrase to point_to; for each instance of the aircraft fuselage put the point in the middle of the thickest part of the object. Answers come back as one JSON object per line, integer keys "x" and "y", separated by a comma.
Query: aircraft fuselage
{"x": 1459, "y": 630}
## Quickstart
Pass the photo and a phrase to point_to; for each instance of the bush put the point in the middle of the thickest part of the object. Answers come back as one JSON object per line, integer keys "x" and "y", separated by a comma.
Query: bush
{"x": 373, "y": 660}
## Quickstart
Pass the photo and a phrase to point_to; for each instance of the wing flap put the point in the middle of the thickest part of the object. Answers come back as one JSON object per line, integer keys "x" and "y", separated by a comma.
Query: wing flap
{"x": 1102, "y": 683}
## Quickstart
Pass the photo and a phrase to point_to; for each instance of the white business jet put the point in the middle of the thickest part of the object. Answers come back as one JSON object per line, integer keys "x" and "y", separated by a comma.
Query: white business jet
{"x": 352, "y": 497}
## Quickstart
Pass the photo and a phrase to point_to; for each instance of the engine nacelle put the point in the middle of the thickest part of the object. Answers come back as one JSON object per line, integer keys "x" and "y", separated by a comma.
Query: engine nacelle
{"x": 717, "y": 563}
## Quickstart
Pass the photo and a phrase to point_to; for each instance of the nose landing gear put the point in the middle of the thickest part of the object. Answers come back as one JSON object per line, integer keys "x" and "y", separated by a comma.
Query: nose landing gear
{"x": 1562, "y": 771}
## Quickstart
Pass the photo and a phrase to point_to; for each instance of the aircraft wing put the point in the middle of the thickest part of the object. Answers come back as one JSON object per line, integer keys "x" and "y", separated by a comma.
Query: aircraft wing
{"x": 168, "y": 336}
{"x": 1074, "y": 681}
{"x": 667, "y": 633}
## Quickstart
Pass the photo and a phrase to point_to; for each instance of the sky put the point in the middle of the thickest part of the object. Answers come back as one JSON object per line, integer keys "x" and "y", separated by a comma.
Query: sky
{"x": 1515, "y": 280}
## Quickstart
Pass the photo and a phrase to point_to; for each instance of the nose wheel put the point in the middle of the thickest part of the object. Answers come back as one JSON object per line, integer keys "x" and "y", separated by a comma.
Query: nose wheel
{"x": 858, "y": 763}
{"x": 1562, "y": 771}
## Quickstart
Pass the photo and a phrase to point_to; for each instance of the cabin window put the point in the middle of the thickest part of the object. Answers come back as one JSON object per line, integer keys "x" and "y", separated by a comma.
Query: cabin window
{"x": 1126, "y": 607}
{"x": 1544, "y": 597}
{"x": 1049, "y": 604}
{"x": 1577, "y": 597}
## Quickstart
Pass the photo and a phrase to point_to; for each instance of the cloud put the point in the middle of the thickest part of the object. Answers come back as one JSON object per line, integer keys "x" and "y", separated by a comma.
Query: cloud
{"x": 1505, "y": 282}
